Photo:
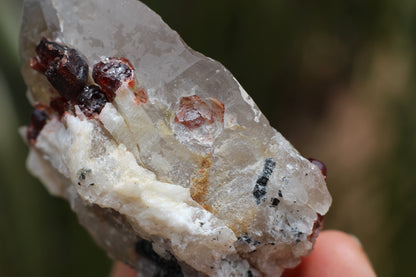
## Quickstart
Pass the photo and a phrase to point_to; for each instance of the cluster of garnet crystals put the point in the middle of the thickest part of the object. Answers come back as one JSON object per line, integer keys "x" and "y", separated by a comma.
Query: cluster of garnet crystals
{"x": 67, "y": 72}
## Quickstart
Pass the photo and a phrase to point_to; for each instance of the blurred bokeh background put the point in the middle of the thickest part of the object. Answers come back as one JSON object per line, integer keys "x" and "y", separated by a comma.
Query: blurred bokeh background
{"x": 335, "y": 77}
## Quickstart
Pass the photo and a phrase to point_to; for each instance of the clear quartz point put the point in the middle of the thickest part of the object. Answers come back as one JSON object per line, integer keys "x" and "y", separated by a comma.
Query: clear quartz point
{"x": 176, "y": 172}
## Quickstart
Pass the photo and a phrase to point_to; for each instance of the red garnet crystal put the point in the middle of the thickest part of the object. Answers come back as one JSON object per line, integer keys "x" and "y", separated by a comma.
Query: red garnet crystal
{"x": 64, "y": 67}
{"x": 60, "y": 105}
{"x": 140, "y": 96}
{"x": 91, "y": 100}
{"x": 194, "y": 112}
{"x": 317, "y": 227}
{"x": 38, "y": 119}
{"x": 111, "y": 73}
{"x": 47, "y": 52}
{"x": 320, "y": 165}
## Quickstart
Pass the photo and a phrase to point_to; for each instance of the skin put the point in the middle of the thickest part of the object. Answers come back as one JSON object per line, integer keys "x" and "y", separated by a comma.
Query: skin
{"x": 335, "y": 254}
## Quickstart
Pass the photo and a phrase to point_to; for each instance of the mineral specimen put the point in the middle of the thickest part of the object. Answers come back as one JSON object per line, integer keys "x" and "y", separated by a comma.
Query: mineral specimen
{"x": 164, "y": 157}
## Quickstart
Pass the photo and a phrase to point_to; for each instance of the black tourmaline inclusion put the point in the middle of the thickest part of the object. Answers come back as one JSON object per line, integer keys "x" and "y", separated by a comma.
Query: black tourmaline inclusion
{"x": 166, "y": 268}
{"x": 259, "y": 190}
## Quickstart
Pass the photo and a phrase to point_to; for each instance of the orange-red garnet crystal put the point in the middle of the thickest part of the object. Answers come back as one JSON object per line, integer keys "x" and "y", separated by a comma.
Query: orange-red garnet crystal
{"x": 193, "y": 112}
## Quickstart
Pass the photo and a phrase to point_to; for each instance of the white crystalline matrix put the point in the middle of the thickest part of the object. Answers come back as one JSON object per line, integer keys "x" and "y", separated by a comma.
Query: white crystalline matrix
{"x": 164, "y": 157}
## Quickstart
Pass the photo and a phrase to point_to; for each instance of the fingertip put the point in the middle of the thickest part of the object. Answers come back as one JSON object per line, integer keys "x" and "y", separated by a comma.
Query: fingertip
{"x": 335, "y": 254}
{"x": 122, "y": 270}
{"x": 344, "y": 252}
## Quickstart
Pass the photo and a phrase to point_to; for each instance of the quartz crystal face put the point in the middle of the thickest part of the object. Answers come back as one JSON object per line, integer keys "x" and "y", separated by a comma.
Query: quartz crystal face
{"x": 163, "y": 156}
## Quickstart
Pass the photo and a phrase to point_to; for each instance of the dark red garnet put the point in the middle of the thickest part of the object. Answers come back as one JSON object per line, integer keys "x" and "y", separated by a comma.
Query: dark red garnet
{"x": 320, "y": 165}
{"x": 64, "y": 67}
{"x": 92, "y": 100}
{"x": 60, "y": 105}
{"x": 317, "y": 227}
{"x": 111, "y": 73}
{"x": 68, "y": 75}
{"x": 38, "y": 120}
{"x": 47, "y": 51}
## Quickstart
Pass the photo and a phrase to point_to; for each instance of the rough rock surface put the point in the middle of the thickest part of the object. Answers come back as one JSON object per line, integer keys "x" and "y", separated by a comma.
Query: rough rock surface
{"x": 164, "y": 157}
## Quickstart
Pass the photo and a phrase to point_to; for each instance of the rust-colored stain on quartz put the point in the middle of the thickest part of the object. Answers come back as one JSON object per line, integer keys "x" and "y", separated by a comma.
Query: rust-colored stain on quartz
{"x": 200, "y": 183}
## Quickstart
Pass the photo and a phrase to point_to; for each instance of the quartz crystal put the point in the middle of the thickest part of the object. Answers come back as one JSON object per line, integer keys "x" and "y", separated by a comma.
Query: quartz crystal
{"x": 163, "y": 156}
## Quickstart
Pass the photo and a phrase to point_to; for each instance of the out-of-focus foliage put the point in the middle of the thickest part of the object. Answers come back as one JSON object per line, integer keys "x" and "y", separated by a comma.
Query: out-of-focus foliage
{"x": 335, "y": 77}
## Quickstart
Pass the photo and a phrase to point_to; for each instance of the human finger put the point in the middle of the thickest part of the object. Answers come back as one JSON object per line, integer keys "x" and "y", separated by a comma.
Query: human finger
{"x": 122, "y": 270}
{"x": 335, "y": 254}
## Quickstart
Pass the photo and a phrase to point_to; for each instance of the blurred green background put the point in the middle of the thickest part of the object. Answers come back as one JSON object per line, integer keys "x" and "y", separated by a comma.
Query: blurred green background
{"x": 335, "y": 77}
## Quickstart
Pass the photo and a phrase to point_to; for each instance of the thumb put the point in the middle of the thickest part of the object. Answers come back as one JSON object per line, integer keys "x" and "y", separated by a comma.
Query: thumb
{"x": 122, "y": 270}
{"x": 335, "y": 254}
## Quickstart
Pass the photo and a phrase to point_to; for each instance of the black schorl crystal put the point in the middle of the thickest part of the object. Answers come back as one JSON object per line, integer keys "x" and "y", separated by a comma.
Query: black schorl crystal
{"x": 260, "y": 188}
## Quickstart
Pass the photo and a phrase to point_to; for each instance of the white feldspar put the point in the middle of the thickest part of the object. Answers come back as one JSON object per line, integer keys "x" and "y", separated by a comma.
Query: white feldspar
{"x": 162, "y": 197}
